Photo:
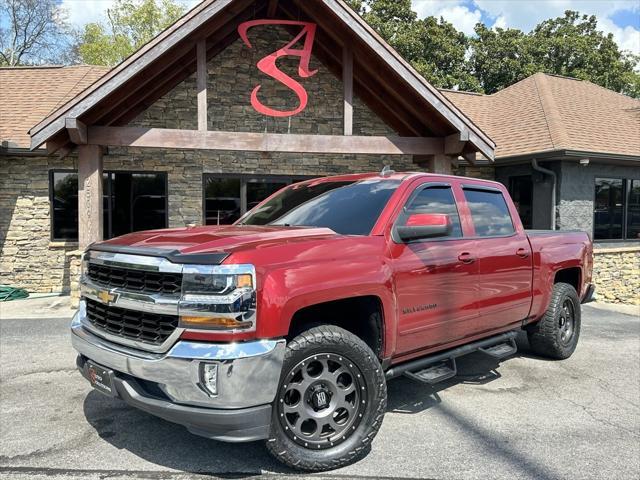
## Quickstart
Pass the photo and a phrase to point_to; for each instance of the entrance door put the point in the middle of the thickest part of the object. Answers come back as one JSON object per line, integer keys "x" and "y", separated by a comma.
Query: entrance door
{"x": 436, "y": 280}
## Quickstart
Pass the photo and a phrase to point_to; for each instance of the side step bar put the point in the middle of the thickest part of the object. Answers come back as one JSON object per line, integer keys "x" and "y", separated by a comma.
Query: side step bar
{"x": 417, "y": 367}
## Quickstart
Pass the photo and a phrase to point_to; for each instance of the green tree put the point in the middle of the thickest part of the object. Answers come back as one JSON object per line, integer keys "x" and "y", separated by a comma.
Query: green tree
{"x": 573, "y": 46}
{"x": 32, "y": 32}
{"x": 500, "y": 57}
{"x": 130, "y": 24}
{"x": 434, "y": 47}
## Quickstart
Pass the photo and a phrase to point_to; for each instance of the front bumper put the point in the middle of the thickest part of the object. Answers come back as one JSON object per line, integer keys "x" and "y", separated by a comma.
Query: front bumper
{"x": 168, "y": 384}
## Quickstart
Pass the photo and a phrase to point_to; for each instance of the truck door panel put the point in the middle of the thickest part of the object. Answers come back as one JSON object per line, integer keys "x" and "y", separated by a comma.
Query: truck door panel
{"x": 436, "y": 279}
{"x": 505, "y": 265}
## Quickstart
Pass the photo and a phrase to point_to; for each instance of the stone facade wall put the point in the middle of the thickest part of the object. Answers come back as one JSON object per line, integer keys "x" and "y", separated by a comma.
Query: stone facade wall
{"x": 28, "y": 258}
{"x": 616, "y": 275}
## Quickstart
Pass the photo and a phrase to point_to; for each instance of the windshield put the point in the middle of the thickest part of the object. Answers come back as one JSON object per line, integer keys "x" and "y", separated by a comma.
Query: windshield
{"x": 348, "y": 208}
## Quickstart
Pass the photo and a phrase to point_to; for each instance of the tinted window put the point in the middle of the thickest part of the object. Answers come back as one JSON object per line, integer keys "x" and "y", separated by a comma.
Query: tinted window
{"x": 221, "y": 200}
{"x": 64, "y": 206}
{"x": 436, "y": 200}
{"x": 227, "y": 198}
{"x": 608, "y": 209}
{"x": 633, "y": 212}
{"x": 345, "y": 207}
{"x": 134, "y": 202}
{"x": 489, "y": 213}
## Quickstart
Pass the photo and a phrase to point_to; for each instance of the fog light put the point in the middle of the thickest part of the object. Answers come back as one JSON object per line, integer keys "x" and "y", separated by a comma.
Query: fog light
{"x": 209, "y": 376}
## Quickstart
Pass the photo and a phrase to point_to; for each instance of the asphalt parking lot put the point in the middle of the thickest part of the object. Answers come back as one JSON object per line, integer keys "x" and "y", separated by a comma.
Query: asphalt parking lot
{"x": 525, "y": 418}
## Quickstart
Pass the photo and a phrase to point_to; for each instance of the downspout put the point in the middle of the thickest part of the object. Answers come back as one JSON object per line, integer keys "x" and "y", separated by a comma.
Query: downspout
{"x": 552, "y": 174}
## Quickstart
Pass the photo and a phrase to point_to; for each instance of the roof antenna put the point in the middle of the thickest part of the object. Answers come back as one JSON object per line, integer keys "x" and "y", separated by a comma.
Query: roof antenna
{"x": 387, "y": 171}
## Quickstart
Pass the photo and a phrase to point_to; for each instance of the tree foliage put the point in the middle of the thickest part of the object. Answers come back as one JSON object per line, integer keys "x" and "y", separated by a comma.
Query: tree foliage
{"x": 493, "y": 59}
{"x": 33, "y": 32}
{"x": 130, "y": 24}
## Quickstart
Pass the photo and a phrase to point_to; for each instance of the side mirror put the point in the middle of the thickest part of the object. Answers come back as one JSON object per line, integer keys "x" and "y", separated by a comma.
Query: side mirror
{"x": 421, "y": 226}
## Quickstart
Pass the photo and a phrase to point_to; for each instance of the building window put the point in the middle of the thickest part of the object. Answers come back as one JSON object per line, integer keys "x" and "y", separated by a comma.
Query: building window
{"x": 616, "y": 209}
{"x": 228, "y": 197}
{"x": 133, "y": 201}
{"x": 521, "y": 191}
{"x": 489, "y": 212}
{"x": 63, "y": 188}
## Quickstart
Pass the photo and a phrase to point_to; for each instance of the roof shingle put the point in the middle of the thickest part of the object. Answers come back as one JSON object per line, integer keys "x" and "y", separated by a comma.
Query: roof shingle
{"x": 29, "y": 94}
{"x": 548, "y": 112}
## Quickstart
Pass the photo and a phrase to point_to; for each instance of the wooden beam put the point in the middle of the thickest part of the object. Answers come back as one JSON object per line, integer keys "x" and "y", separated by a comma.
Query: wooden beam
{"x": 263, "y": 142}
{"x": 77, "y": 130}
{"x": 454, "y": 144}
{"x": 90, "y": 212}
{"x": 272, "y": 8}
{"x": 56, "y": 143}
{"x": 201, "y": 82}
{"x": 347, "y": 81}
{"x": 470, "y": 157}
{"x": 439, "y": 164}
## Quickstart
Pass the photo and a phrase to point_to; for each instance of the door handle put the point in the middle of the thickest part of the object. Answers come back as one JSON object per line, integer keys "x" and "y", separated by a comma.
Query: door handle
{"x": 522, "y": 252}
{"x": 466, "y": 257}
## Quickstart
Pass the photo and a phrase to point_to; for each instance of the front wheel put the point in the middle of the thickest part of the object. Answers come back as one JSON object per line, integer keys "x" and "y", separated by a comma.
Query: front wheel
{"x": 330, "y": 403}
{"x": 556, "y": 334}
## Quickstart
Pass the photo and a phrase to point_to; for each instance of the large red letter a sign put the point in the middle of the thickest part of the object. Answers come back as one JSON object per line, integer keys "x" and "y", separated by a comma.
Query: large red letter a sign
{"x": 268, "y": 64}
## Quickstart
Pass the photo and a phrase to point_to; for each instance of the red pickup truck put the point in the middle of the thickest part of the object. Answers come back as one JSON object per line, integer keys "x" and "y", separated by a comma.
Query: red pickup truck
{"x": 287, "y": 325}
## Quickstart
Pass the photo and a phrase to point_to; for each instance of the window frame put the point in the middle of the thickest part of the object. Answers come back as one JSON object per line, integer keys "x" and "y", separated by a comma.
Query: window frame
{"x": 403, "y": 212}
{"x": 52, "y": 238}
{"x": 627, "y": 183}
{"x": 246, "y": 178}
{"x": 485, "y": 188}
{"x": 53, "y": 171}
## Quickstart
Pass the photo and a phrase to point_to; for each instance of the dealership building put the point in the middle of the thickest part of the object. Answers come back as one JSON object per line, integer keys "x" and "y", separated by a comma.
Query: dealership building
{"x": 240, "y": 98}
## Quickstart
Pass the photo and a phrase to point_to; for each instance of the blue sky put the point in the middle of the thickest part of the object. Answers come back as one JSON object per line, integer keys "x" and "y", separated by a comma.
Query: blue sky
{"x": 620, "y": 17}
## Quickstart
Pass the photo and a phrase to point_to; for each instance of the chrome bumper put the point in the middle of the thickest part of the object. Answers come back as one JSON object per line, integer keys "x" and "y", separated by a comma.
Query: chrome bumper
{"x": 248, "y": 373}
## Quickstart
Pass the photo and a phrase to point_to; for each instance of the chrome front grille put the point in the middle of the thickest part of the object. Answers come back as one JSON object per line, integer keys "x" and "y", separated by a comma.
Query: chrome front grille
{"x": 149, "y": 328}
{"x": 142, "y": 281}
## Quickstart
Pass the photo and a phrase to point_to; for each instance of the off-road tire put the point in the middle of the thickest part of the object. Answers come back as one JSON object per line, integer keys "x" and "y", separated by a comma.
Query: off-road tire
{"x": 545, "y": 337}
{"x": 331, "y": 340}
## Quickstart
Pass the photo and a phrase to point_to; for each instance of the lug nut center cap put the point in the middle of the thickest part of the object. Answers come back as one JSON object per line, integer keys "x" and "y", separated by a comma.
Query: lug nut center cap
{"x": 320, "y": 399}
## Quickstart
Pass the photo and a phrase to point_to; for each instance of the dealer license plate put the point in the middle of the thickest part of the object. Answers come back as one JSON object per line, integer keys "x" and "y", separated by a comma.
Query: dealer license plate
{"x": 101, "y": 378}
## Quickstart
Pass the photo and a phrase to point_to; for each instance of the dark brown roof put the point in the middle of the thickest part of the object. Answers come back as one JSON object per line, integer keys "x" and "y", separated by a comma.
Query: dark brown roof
{"x": 544, "y": 113}
{"x": 29, "y": 94}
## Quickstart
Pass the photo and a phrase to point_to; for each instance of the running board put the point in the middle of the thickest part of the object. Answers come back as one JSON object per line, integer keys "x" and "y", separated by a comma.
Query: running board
{"x": 435, "y": 373}
{"x": 419, "y": 365}
{"x": 502, "y": 350}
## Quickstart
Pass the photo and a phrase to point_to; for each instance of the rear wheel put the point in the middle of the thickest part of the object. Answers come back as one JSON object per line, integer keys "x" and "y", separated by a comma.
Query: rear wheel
{"x": 330, "y": 402}
{"x": 556, "y": 335}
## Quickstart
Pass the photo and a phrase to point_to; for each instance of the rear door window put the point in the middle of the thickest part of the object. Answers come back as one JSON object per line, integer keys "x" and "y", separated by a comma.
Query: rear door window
{"x": 489, "y": 212}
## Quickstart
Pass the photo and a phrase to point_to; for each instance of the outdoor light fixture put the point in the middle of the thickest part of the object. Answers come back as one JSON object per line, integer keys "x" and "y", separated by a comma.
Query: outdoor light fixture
{"x": 584, "y": 162}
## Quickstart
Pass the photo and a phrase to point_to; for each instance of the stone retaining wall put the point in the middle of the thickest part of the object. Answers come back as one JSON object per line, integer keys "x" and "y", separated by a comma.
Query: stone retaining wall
{"x": 616, "y": 274}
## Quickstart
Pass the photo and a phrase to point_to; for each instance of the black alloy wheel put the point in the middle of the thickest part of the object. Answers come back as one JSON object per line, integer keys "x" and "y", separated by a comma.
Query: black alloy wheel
{"x": 330, "y": 402}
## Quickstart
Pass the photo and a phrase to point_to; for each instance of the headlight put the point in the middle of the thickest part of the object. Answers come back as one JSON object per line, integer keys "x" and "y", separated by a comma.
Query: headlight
{"x": 220, "y": 297}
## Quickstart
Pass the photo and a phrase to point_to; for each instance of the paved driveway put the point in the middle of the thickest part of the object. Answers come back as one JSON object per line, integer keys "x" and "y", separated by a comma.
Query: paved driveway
{"x": 526, "y": 418}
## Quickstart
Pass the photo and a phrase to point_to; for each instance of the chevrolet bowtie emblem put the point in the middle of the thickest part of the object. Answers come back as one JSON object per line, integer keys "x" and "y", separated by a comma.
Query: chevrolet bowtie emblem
{"x": 106, "y": 297}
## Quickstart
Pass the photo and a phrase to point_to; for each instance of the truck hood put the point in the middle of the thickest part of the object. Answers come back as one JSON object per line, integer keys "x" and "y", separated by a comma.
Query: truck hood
{"x": 218, "y": 239}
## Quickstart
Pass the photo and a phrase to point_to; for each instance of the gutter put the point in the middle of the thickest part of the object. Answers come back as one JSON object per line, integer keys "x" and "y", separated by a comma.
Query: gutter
{"x": 554, "y": 181}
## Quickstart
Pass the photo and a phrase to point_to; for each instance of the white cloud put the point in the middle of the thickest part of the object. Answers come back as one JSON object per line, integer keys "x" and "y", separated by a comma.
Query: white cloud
{"x": 463, "y": 18}
{"x": 526, "y": 14}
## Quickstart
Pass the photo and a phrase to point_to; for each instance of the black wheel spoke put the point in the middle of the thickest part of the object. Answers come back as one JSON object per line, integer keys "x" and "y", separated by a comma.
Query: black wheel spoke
{"x": 321, "y": 404}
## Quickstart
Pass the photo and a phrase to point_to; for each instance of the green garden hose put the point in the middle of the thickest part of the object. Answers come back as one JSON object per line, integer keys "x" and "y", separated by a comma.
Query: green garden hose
{"x": 11, "y": 293}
